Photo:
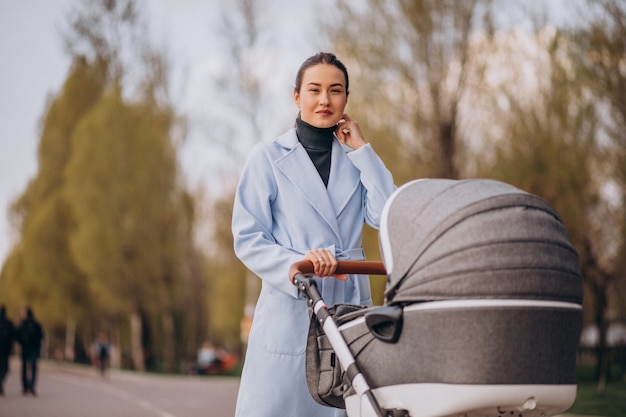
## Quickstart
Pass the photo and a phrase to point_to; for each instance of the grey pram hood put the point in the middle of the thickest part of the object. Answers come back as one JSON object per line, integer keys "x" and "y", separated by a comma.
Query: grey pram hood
{"x": 449, "y": 239}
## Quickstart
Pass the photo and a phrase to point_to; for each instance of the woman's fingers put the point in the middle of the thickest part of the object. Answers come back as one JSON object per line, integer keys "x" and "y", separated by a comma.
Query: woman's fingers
{"x": 324, "y": 262}
{"x": 349, "y": 132}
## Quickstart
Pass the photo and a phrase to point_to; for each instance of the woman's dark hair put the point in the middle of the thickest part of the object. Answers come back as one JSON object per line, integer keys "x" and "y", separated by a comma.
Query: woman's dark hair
{"x": 321, "y": 58}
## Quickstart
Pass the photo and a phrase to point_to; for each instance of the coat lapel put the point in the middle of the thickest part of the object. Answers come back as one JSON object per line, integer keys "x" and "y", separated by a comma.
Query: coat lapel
{"x": 297, "y": 167}
{"x": 344, "y": 178}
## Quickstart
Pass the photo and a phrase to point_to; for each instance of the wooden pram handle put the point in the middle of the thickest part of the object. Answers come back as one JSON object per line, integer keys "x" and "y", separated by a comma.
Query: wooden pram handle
{"x": 305, "y": 267}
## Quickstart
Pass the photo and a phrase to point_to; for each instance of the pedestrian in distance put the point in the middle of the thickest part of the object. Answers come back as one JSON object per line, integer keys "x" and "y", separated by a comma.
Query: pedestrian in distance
{"x": 207, "y": 359}
{"x": 101, "y": 352}
{"x": 29, "y": 336}
{"x": 7, "y": 334}
{"x": 305, "y": 195}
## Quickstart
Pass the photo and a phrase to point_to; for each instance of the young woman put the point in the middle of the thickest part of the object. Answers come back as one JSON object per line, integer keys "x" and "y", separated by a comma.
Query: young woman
{"x": 305, "y": 195}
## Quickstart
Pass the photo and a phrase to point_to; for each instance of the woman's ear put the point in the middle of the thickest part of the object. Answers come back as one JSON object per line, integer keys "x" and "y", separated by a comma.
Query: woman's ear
{"x": 296, "y": 97}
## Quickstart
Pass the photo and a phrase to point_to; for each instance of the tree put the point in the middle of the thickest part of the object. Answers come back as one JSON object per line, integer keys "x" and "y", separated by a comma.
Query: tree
{"x": 48, "y": 278}
{"x": 542, "y": 137}
{"x": 247, "y": 108}
{"x": 247, "y": 62}
{"x": 602, "y": 54}
{"x": 134, "y": 233}
{"x": 107, "y": 224}
{"x": 411, "y": 61}
{"x": 546, "y": 138}
{"x": 121, "y": 183}
{"x": 229, "y": 288}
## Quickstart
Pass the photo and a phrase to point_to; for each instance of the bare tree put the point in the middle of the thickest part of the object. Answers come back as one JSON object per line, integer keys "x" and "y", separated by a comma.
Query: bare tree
{"x": 602, "y": 55}
{"x": 248, "y": 113}
{"x": 413, "y": 59}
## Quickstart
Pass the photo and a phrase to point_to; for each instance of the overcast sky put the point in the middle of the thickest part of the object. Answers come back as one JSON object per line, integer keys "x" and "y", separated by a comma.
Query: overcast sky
{"x": 31, "y": 66}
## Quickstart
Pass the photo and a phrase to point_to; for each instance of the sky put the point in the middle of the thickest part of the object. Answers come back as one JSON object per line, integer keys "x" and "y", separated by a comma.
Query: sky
{"x": 33, "y": 66}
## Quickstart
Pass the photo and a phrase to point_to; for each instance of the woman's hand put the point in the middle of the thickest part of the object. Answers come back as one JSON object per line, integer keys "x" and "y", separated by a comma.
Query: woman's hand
{"x": 349, "y": 132}
{"x": 324, "y": 264}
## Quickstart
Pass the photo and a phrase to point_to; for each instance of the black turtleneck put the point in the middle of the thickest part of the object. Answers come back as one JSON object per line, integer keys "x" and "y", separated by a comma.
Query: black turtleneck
{"x": 318, "y": 143}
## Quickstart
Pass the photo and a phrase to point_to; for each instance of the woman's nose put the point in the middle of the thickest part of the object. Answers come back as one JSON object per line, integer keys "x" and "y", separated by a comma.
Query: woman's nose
{"x": 324, "y": 99}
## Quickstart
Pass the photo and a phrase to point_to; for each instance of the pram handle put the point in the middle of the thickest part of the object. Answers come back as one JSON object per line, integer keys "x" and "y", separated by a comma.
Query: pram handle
{"x": 305, "y": 267}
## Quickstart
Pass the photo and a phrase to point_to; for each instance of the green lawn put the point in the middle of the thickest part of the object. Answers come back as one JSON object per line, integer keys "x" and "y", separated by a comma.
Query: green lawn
{"x": 611, "y": 403}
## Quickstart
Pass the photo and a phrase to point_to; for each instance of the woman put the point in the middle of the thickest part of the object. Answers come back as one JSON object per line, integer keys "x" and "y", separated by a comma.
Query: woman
{"x": 304, "y": 195}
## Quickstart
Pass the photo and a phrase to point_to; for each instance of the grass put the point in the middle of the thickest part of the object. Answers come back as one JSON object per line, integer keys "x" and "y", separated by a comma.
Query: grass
{"x": 589, "y": 402}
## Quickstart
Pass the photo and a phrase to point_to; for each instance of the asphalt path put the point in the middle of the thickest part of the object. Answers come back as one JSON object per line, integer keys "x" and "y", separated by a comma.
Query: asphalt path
{"x": 65, "y": 390}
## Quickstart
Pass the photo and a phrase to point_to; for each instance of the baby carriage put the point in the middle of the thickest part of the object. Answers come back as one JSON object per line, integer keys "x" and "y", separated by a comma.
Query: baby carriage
{"x": 482, "y": 311}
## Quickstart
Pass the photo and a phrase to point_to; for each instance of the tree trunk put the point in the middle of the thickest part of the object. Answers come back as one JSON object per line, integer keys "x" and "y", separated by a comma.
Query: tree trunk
{"x": 447, "y": 149}
{"x": 70, "y": 340}
{"x": 135, "y": 342}
{"x": 168, "y": 342}
{"x": 599, "y": 279}
{"x": 116, "y": 351}
{"x": 602, "y": 357}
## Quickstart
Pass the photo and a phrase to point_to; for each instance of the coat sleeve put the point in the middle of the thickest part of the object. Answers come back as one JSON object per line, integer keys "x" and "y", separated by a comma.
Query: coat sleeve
{"x": 252, "y": 224}
{"x": 377, "y": 182}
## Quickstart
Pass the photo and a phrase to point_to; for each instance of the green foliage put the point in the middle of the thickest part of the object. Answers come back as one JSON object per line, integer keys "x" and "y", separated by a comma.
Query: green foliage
{"x": 47, "y": 277}
{"x": 372, "y": 253}
{"x": 601, "y": 51}
{"x": 551, "y": 146}
{"x": 119, "y": 182}
{"x": 225, "y": 303}
{"x": 600, "y": 56}
{"x": 80, "y": 91}
{"x": 57, "y": 285}
{"x": 227, "y": 280}
{"x": 590, "y": 402}
{"x": 106, "y": 225}
{"x": 14, "y": 295}
{"x": 134, "y": 222}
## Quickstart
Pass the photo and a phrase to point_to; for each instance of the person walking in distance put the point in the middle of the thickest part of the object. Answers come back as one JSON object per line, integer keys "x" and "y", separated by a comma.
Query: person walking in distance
{"x": 29, "y": 336}
{"x": 6, "y": 345}
{"x": 101, "y": 349}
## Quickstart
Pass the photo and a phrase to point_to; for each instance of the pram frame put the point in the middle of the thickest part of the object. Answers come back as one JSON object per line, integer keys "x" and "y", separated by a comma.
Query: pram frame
{"x": 307, "y": 286}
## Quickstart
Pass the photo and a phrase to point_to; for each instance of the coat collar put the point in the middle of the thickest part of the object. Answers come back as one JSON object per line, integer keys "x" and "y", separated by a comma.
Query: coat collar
{"x": 342, "y": 184}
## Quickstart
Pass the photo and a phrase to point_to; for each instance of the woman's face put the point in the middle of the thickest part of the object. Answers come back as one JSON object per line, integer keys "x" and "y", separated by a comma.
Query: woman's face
{"x": 322, "y": 97}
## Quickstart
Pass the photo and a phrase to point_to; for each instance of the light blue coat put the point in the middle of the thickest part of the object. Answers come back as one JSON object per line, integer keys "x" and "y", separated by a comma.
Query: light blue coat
{"x": 281, "y": 211}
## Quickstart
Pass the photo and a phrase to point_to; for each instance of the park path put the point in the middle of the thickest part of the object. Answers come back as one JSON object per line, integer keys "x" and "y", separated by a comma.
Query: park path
{"x": 66, "y": 390}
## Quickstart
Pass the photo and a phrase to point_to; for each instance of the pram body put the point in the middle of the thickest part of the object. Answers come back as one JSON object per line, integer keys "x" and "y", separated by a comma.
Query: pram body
{"x": 482, "y": 309}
